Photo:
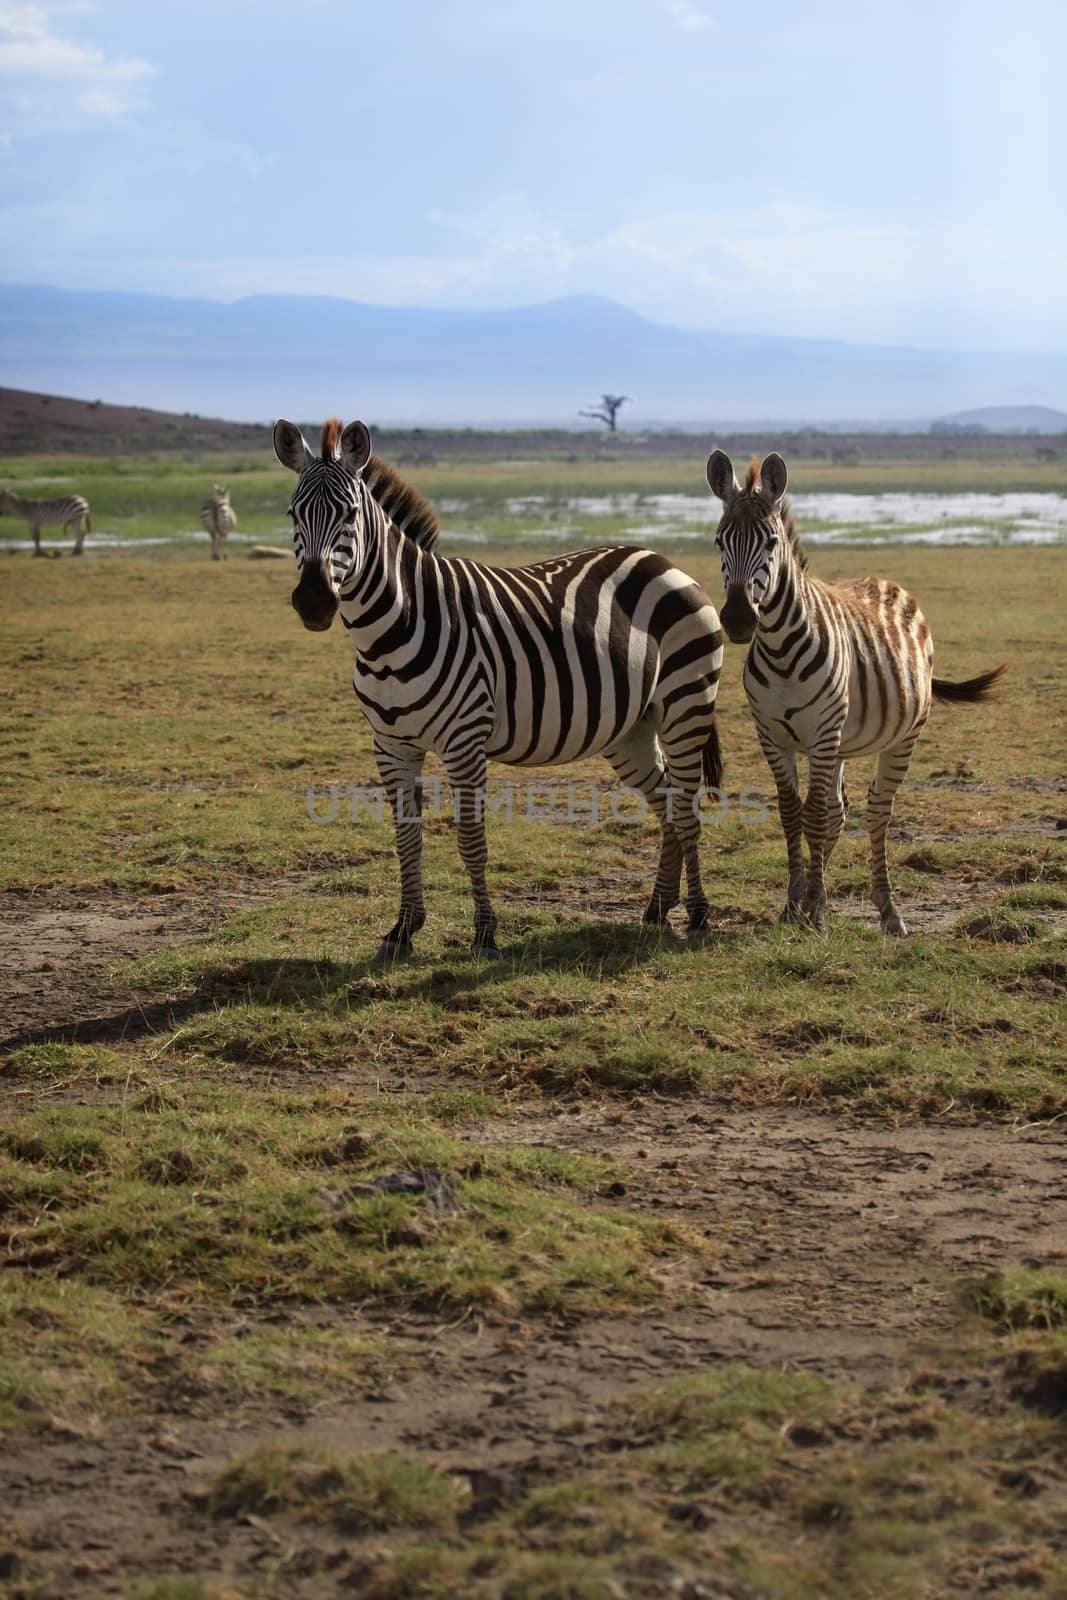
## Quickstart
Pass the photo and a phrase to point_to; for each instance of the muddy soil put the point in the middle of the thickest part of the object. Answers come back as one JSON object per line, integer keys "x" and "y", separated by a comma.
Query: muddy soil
{"x": 59, "y": 951}
{"x": 835, "y": 1244}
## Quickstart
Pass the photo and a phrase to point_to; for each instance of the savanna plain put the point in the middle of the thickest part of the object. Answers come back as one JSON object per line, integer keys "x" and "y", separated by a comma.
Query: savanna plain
{"x": 621, "y": 1267}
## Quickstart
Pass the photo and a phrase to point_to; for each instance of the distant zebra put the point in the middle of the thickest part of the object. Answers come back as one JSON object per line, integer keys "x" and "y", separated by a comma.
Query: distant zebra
{"x": 611, "y": 651}
{"x": 834, "y": 671}
{"x": 66, "y": 511}
{"x": 217, "y": 516}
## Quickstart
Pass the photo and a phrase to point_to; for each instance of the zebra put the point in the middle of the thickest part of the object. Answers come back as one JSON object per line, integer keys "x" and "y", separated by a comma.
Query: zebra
{"x": 833, "y": 671}
{"x": 217, "y": 516}
{"x": 612, "y": 651}
{"x": 66, "y": 511}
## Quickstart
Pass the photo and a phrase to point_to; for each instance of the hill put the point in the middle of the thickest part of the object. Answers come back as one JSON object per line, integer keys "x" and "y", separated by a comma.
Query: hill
{"x": 1008, "y": 419}
{"x": 54, "y": 424}
{"x": 309, "y": 356}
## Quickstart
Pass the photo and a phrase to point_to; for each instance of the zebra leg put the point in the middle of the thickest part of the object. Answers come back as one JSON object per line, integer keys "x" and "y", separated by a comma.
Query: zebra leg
{"x": 638, "y": 764}
{"x": 467, "y": 775}
{"x": 79, "y": 536}
{"x": 836, "y": 811}
{"x": 400, "y": 773}
{"x": 783, "y": 765}
{"x": 889, "y": 775}
{"x": 823, "y": 778}
{"x": 683, "y": 747}
{"x": 35, "y": 529}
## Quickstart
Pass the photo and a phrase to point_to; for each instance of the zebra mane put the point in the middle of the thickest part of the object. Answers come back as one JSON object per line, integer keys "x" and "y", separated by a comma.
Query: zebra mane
{"x": 800, "y": 555}
{"x": 331, "y": 437}
{"x": 753, "y": 492}
{"x": 402, "y": 503}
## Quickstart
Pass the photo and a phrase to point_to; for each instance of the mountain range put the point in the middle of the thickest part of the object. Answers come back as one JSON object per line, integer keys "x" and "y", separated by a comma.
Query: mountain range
{"x": 309, "y": 356}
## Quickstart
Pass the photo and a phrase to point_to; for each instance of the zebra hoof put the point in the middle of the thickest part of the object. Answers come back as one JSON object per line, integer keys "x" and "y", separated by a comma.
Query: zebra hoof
{"x": 388, "y": 954}
{"x": 486, "y": 952}
{"x": 793, "y": 915}
{"x": 894, "y": 926}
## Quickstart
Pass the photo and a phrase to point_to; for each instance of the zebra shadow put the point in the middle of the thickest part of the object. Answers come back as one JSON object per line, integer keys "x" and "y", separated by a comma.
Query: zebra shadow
{"x": 599, "y": 950}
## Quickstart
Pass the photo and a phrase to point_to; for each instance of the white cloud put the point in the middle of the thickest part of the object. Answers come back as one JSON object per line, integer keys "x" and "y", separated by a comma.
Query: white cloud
{"x": 687, "y": 17}
{"x": 38, "y": 56}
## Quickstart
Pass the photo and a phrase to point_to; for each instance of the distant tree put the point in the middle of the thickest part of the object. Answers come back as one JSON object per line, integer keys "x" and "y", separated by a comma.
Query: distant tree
{"x": 608, "y": 410}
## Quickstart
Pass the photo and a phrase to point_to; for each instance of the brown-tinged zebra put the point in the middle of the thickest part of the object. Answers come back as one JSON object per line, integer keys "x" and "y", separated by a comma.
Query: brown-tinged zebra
{"x": 217, "y": 516}
{"x": 834, "y": 670}
{"x": 612, "y": 651}
{"x": 66, "y": 511}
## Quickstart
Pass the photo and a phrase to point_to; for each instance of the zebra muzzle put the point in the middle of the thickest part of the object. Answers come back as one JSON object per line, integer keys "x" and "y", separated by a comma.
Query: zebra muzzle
{"x": 738, "y": 616}
{"x": 314, "y": 601}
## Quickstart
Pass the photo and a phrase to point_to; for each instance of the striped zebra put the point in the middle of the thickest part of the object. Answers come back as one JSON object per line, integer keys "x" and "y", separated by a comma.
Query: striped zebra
{"x": 834, "y": 671}
{"x": 66, "y": 511}
{"x": 611, "y": 651}
{"x": 217, "y": 516}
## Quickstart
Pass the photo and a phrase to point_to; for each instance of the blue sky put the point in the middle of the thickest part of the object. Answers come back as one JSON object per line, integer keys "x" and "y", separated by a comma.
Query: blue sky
{"x": 885, "y": 174}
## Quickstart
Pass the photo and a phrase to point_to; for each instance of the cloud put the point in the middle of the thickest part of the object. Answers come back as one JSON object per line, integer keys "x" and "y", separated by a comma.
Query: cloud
{"x": 38, "y": 56}
{"x": 688, "y": 18}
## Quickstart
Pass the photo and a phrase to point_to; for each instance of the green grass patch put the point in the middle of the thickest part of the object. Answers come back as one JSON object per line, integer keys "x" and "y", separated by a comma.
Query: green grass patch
{"x": 63, "y": 1064}
{"x": 1023, "y": 1298}
{"x": 358, "y": 1495}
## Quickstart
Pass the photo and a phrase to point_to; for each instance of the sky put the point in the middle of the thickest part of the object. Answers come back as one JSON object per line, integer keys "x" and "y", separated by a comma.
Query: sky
{"x": 885, "y": 174}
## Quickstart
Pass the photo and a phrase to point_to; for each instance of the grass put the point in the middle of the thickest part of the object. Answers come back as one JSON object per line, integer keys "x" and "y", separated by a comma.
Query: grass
{"x": 360, "y": 1495}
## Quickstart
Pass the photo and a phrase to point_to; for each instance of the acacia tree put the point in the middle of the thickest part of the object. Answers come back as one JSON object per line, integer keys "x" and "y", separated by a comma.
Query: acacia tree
{"x": 608, "y": 410}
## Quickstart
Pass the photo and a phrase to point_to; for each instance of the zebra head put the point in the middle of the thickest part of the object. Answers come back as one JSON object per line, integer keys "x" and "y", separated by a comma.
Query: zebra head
{"x": 750, "y": 537}
{"x": 327, "y": 513}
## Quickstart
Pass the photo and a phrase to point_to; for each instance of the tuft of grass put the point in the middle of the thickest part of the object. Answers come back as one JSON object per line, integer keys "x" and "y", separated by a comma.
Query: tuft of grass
{"x": 999, "y": 928}
{"x": 63, "y": 1063}
{"x": 358, "y": 1494}
{"x": 1025, "y": 1297}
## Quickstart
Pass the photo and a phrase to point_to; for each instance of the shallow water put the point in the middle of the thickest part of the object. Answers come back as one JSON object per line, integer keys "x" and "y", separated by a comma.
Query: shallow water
{"x": 967, "y": 519}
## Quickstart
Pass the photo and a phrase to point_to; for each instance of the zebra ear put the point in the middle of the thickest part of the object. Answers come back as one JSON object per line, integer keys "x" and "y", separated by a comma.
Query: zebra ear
{"x": 721, "y": 480}
{"x": 356, "y": 447}
{"x": 290, "y": 446}
{"x": 773, "y": 477}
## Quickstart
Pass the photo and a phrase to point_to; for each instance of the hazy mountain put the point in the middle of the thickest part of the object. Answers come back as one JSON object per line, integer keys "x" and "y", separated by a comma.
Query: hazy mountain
{"x": 308, "y": 356}
{"x": 1009, "y": 419}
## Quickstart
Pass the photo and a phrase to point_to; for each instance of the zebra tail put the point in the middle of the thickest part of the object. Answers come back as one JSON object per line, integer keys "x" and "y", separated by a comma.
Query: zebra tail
{"x": 88, "y": 522}
{"x": 984, "y": 687}
{"x": 713, "y": 757}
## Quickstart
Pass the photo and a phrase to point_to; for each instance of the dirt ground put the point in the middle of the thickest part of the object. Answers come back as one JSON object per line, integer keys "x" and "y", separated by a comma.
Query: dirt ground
{"x": 834, "y": 1243}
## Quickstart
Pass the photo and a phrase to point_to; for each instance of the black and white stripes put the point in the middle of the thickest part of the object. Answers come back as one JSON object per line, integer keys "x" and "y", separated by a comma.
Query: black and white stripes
{"x": 66, "y": 511}
{"x": 833, "y": 671}
{"x": 612, "y": 651}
